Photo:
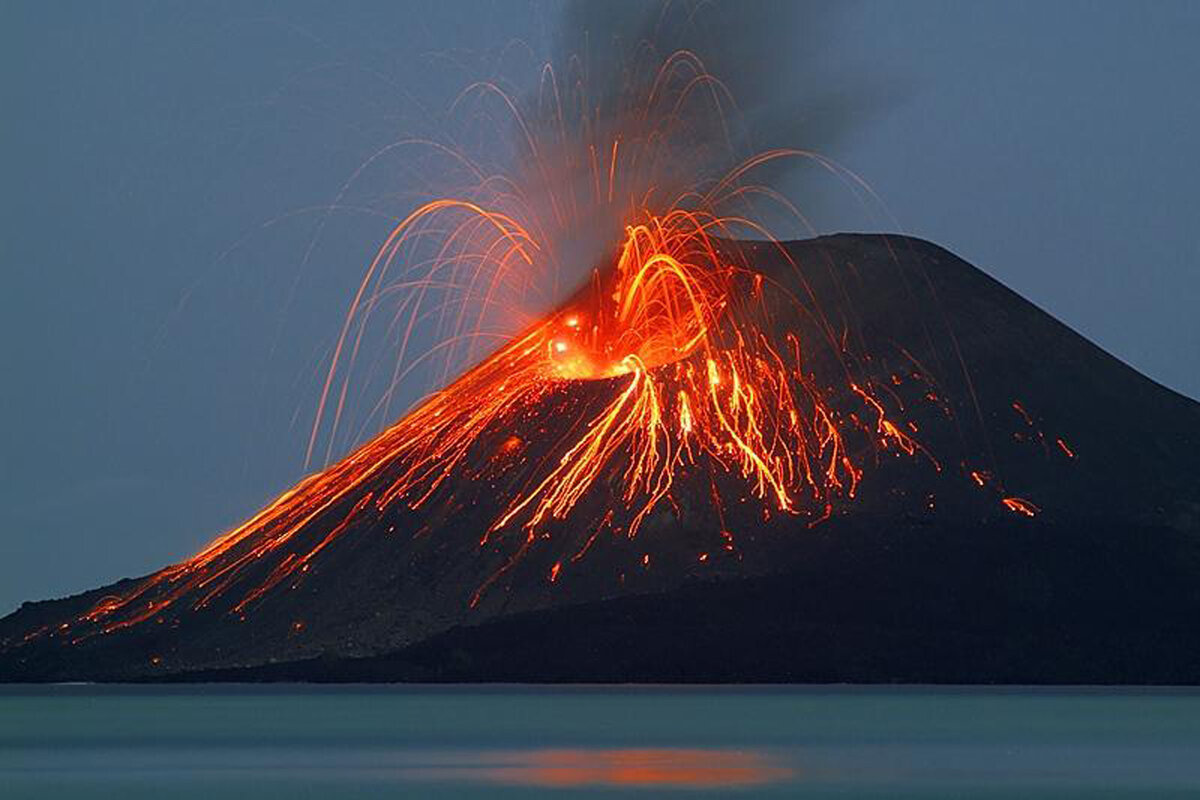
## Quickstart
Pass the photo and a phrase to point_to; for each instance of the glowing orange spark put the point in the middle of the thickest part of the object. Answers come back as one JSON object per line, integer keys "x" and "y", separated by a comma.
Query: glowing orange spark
{"x": 1021, "y": 506}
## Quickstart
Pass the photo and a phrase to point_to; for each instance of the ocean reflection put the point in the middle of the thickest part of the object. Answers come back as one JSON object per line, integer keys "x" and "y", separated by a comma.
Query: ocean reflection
{"x": 626, "y": 767}
{"x": 147, "y": 743}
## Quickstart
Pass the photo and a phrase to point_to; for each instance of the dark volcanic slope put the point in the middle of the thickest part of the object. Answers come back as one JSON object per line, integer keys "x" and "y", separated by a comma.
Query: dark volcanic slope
{"x": 926, "y": 576}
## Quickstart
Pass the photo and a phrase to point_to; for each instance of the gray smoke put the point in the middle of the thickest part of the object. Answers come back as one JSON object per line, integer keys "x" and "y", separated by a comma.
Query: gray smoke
{"x": 778, "y": 89}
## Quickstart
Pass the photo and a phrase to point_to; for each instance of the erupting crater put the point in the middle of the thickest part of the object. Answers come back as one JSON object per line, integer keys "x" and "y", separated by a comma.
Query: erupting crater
{"x": 697, "y": 384}
{"x": 711, "y": 405}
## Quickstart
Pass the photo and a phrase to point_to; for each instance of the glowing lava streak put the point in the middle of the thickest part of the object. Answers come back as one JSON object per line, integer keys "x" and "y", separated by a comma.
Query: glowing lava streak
{"x": 690, "y": 380}
{"x": 695, "y": 386}
{"x": 687, "y": 394}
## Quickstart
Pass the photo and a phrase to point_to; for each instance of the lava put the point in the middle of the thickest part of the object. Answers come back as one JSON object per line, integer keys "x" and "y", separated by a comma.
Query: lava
{"x": 702, "y": 379}
{"x": 697, "y": 386}
{"x": 1020, "y": 505}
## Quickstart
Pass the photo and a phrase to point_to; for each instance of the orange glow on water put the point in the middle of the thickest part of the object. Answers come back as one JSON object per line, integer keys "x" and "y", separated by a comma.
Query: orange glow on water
{"x": 632, "y": 768}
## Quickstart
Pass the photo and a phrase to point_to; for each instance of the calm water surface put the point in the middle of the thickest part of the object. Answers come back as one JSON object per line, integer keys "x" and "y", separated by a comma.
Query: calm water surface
{"x": 446, "y": 742}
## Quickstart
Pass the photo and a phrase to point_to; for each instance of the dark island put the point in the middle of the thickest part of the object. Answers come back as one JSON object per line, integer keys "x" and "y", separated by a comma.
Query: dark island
{"x": 1048, "y": 531}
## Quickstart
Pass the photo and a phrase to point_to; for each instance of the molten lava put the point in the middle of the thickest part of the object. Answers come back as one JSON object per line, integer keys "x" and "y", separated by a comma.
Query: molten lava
{"x": 701, "y": 379}
{"x": 697, "y": 385}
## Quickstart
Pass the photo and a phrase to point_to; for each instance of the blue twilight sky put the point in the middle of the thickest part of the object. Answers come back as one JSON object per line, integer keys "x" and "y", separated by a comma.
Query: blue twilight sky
{"x": 165, "y": 165}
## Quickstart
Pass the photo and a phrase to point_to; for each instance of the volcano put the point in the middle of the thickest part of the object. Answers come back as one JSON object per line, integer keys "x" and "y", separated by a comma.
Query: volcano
{"x": 962, "y": 489}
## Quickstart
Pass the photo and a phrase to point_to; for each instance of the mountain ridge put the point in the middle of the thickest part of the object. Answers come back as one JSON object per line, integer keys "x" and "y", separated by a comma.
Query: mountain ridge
{"x": 1106, "y": 454}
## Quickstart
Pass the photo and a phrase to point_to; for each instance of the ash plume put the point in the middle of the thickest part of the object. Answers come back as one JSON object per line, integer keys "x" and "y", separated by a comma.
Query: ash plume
{"x": 733, "y": 79}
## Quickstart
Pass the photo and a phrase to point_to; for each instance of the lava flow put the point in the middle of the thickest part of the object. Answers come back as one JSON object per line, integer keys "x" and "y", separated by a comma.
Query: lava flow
{"x": 696, "y": 387}
{"x": 679, "y": 333}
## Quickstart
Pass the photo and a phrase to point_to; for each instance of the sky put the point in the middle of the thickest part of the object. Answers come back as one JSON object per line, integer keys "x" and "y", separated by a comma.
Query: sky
{"x": 173, "y": 277}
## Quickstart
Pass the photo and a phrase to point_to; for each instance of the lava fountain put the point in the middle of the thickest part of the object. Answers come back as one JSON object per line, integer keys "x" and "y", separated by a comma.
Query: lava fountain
{"x": 703, "y": 381}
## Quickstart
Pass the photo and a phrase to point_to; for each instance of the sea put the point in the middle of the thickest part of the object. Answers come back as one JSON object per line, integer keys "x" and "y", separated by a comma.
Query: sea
{"x": 293, "y": 741}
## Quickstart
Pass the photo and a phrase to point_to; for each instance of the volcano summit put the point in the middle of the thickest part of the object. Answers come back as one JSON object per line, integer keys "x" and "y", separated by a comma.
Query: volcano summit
{"x": 694, "y": 471}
